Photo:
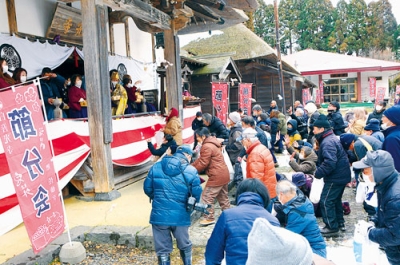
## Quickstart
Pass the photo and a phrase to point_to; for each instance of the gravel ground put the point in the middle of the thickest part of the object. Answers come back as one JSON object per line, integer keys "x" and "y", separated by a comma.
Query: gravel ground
{"x": 102, "y": 254}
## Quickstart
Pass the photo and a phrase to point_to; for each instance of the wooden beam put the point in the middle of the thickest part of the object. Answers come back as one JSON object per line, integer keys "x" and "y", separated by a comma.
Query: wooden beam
{"x": 97, "y": 84}
{"x": 173, "y": 79}
{"x": 111, "y": 32}
{"x": 127, "y": 39}
{"x": 143, "y": 11}
{"x": 12, "y": 17}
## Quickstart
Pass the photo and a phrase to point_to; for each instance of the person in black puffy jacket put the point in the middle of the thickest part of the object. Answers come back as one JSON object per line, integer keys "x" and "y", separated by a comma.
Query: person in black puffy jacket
{"x": 335, "y": 118}
{"x": 334, "y": 167}
{"x": 215, "y": 126}
{"x": 169, "y": 184}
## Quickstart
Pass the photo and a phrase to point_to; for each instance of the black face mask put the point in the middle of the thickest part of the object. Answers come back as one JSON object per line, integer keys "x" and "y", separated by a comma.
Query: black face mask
{"x": 318, "y": 136}
{"x": 290, "y": 131}
{"x": 331, "y": 111}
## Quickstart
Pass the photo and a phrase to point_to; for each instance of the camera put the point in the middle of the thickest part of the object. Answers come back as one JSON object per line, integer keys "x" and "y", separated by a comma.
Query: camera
{"x": 197, "y": 206}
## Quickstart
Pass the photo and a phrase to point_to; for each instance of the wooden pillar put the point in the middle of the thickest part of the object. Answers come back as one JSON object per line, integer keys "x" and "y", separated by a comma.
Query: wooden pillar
{"x": 94, "y": 24}
{"x": 358, "y": 93}
{"x": 127, "y": 39}
{"x": 12, "y": 17}
{"x": 111, "y": 32}
{"x": 173, "y": 80}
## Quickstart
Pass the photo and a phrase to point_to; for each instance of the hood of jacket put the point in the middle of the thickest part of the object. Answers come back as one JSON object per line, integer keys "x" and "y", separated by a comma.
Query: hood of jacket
{"x": 174, "y": 165}
{"x": 250, "y": 198}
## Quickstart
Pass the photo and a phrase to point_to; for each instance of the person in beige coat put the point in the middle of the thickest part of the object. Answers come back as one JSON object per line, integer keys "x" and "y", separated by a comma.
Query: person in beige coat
{"x": 356, "y": 125}
{"x": 174, "y": 126}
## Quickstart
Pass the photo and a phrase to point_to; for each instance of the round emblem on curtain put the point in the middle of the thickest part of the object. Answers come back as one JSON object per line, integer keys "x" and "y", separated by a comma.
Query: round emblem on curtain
{"x": 121, "y": 71}
{"x": 11, "y": 55}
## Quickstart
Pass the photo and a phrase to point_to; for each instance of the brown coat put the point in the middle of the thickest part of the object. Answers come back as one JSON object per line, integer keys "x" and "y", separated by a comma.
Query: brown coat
{"x": 174, "y": 128}
{"x": 212, "y": 161}
{"x": 260, "y": 165}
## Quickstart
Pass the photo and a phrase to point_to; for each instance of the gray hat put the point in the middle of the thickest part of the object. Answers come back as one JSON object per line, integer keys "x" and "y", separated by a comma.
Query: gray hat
{"x": 381, "y": 162}
{"x": 257, "y": 107}
{"x": 274, "y": 245}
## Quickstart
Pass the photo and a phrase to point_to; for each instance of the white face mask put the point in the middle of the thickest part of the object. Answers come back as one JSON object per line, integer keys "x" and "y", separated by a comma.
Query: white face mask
{"x": 199, "y": 119}
{"x": 5, "y": 68}
{"x": 367, "y": 179}
{"x": 301, "y": 156}
{"x": 23, "y": 78}
{"x": 385, "y": 126}
{"x": 78, "y": 84}
{"x": 129, "y": 85}
{"x": 114, "y": 83}
{"x": 68, "y": 83}
{"x": 378, "y": 108}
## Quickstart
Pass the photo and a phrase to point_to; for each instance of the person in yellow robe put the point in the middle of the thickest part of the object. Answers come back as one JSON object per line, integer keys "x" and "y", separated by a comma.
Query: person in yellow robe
{"x": 119, "y": 97}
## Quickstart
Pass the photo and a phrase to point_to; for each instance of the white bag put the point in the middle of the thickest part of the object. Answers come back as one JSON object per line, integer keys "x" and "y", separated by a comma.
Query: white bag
{"x": 243, "y": 164}
{"x": 159, "y": 136}
{"x": 316, "y": 190}
{"x": 228, "y": 163}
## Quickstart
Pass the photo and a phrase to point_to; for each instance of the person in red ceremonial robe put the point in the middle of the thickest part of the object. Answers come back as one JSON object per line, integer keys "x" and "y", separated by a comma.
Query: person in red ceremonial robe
{"x": 77, "y": 98}
{"x": 5, "y": 79}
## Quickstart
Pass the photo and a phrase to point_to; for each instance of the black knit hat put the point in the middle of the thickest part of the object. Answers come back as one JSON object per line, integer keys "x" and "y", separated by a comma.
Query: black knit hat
{"x": 322, "y": 122}
{"x": 335, "y": 104}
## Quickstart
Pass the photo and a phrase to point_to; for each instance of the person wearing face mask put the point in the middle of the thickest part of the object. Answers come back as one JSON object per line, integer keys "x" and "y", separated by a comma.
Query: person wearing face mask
{"x": 5, "y": 79}
{"x": 197, "y": 123}
{"x": 391, "y": 130}
{"x": 50, "y": 84}
{"x": 385, "y": 228}
{"x": 378, "y": 112}
{"x": 130, "y": 90}
{"x": 119, "y": 97}
{"x": 20, "y": 75}
{"x": 259, "y": 163}
{"x": 335, "y": 118}
{"x": 333, "y": 167}
{"x": 299, "y": 216}
{"x": 307, "y": 160}
{"x": 77, "y": 98}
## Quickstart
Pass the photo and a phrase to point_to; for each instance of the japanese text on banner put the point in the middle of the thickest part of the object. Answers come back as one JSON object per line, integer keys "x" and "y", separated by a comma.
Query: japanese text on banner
{"x": 372, "y": 87}
{"x": 245, "y": 98}
{"x": 380, "y": 95}
{"x": 28, "y": 154}
{"x": 220, "y": 100}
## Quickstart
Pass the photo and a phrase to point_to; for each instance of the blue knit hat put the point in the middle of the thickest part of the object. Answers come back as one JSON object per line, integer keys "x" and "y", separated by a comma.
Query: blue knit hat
{"x": 373, "y": 125}
{"x": 393, "y": 114}
{"x": 346, "y": 139}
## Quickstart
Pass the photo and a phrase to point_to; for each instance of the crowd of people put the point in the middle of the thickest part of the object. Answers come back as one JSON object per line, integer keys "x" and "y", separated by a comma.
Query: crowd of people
{"x": 65, "y": 96}
{"x": 321, "y": 146}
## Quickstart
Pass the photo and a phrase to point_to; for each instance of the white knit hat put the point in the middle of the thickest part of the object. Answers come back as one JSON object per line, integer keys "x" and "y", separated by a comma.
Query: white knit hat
{"x": 273, "y": 245}
{"x": 234, "y": 116}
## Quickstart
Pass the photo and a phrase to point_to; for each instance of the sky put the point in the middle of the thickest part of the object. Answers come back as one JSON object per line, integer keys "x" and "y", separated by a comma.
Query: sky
{"x": 395, "y": 6}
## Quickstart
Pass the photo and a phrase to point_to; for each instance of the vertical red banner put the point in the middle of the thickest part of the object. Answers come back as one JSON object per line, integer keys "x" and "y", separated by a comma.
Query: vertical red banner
{"x": 397, "y": 89}
{"x": 321, "y": 92}
{"x": 372, "y": 87}
{"x": 305, "y": 95}
{"x": 28, "y": 154}
{"x": 220, "y": 100}
{"x": 245, "y": 97}
{"x": 380, "y": 94}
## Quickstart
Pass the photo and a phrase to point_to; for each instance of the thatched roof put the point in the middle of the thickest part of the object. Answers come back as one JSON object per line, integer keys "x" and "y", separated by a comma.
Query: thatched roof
{"x": 237, "y": 39}
{"x": 241, "y": 42}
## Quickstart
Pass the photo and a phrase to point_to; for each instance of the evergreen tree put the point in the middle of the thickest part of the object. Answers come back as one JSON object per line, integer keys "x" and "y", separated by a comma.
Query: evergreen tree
{"x": 357, "y": 39}
{"x": 264, "y": 24}
{"x": 337, "y": 41}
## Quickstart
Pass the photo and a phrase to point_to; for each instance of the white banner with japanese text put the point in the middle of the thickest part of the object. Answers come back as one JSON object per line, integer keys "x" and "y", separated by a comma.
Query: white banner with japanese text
{"x": 29, "y": 158}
